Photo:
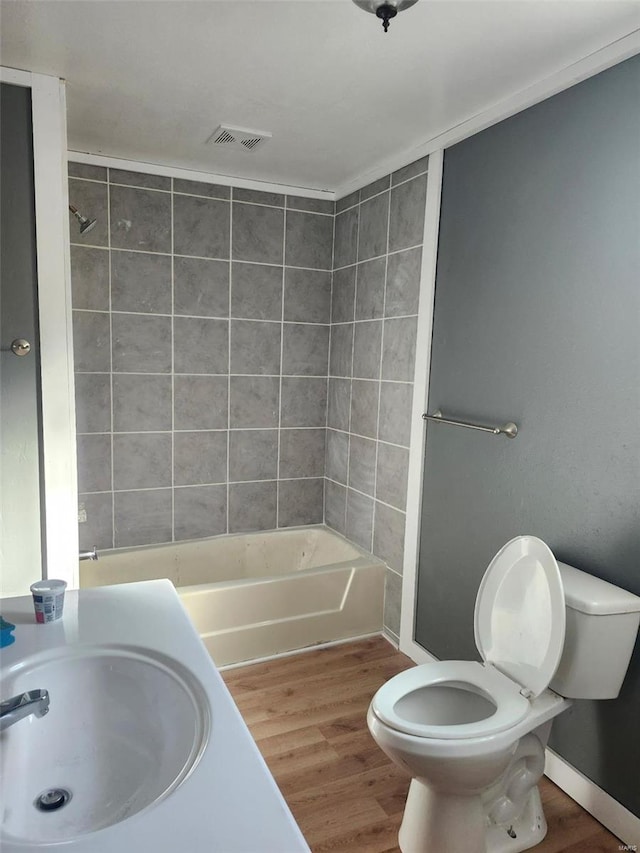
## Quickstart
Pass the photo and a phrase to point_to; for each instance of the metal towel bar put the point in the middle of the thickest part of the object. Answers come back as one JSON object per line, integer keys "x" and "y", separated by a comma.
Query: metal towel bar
{"x": 509, "y": 429}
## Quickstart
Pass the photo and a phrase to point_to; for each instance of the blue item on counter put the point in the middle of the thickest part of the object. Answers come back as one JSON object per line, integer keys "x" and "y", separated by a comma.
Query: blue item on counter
{"x": 6, "y": 637}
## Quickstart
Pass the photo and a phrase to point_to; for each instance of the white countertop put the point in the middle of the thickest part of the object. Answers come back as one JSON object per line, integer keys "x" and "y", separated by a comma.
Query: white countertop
{"x": 230, "y": 801}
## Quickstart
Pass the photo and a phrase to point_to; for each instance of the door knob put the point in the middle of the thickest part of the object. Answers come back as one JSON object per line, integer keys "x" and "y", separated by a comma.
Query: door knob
{"x": 20, "y": 347}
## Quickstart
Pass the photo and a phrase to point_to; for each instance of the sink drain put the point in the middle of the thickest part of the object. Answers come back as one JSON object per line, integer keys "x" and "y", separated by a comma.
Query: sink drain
{"x": 52, "y": 799}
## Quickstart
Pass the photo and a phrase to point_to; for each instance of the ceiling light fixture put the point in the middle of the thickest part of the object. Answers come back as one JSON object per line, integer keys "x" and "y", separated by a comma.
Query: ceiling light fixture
{"x": 385, "y": 10}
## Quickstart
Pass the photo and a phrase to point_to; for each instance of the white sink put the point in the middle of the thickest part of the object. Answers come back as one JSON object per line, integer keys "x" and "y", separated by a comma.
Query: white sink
{"x": 141, "y": 730}
{"x": 125, "y": 728}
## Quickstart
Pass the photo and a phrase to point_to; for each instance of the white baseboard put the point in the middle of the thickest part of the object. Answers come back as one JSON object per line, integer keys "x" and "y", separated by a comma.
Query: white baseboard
{"x": 612, "y": 814}
{"x": 392, "y": 638}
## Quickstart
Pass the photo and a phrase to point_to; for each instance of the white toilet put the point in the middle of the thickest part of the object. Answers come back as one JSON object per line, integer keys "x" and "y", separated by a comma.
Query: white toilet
{"x": 472, "y": 735}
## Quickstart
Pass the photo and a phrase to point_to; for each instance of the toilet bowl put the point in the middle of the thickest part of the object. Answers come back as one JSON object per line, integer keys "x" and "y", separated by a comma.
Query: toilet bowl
{"x": 466, "y": 766}
{"x": 472, "y": 735}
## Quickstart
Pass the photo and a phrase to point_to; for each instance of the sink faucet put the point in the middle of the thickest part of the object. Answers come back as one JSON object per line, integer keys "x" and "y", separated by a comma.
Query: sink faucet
{"x": 88, "y": 555}
{"x": 32, "y": 702}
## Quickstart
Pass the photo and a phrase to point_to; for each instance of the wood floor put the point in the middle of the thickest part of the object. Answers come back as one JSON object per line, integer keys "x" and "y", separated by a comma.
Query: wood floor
{"x": 307, "y": 714}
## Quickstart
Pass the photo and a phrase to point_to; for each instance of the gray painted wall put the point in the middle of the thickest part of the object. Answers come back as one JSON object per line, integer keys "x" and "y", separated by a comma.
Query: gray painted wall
{"x": 537, "y": 320}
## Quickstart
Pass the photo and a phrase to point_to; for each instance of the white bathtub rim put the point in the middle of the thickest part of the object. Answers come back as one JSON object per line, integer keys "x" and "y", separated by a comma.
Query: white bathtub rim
{"x": 224, "y": 537}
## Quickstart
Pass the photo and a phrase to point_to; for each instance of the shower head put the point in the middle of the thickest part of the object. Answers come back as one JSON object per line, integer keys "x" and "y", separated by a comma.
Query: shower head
{"x": 85, "y": 224}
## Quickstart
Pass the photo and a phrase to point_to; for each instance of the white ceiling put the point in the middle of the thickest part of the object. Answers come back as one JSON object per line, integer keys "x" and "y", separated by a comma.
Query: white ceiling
{"x": 149, "y": 80}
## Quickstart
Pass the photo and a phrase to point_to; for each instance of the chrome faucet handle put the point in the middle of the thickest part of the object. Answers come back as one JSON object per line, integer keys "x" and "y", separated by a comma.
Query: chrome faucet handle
{"x": 88, "y": 555}
{"x": 34, "y": 702}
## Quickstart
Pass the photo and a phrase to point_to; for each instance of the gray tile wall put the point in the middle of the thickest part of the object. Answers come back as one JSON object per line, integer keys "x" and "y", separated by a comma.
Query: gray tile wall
{"x": 201, "y": 337}
{"x": 206, "y": 322}
{"x": 377, "y": 257}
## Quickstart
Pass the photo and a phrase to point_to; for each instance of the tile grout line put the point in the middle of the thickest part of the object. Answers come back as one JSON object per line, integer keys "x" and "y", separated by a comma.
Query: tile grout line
{"x": 215, "y": 429}
{"x": 383, "y": 256}
{"x": 130, "y": 251}
{"x": 284, "y": 254}
{"x": 261, "y": 204}
{"x": 378, "y": 320}
{"x": 111, "y": 374}
{"x": 246, "y": 375}
{"x": 173, "y": 368}
{"x": 353, "y": 346}
{"x": 230, "y": 282}
{"x": 225, "y": 198}
{"x": 391, "y": 186}
{"x": 326, "y": 414}
{"x": 370, "y": 497}
{"x": 164, "y": 488}
{"x": 209, "y": 317}
{"x": 384, "y": 320}
{"x": 284, "y": 206}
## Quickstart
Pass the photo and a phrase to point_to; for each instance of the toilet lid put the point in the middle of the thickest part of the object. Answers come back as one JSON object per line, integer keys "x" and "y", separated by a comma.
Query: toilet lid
{"x": 519, "y": 618}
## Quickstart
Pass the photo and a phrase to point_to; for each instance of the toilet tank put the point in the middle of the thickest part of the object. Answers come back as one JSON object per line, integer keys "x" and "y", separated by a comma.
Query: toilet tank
{"x": 602, "y": 625}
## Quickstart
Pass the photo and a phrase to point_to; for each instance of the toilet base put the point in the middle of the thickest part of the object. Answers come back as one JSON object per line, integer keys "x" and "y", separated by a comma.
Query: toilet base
{"x": 446, "y": 823}
{"x": 527, "y": 831}
{"x": 443, "y": 822}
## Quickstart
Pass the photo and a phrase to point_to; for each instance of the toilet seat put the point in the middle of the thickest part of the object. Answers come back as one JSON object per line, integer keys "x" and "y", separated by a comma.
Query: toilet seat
{"x": 519, "y": 626}
{"x": 468, "y": 676}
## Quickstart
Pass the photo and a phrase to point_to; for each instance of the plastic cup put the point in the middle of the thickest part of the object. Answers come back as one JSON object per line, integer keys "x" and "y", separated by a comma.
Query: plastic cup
{"x": 48, "y": 600}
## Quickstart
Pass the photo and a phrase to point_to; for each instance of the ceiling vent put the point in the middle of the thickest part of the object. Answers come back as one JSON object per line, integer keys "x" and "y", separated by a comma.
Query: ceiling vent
{"x": 238, "y": 137}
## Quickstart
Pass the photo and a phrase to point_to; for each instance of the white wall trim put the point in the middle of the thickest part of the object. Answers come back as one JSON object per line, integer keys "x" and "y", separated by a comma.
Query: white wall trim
{"x": 596, "y": 62}
{"x": 192, "y": 175}
{"x": 612, "y": 814}
{"x": 56, "y": 341}
{"x": 15, "y": 77}
{"x": 420, "y": 394}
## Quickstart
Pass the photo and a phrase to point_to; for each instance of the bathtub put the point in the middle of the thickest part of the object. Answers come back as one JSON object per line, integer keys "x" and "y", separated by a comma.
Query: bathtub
{"x": 260, "y": 594}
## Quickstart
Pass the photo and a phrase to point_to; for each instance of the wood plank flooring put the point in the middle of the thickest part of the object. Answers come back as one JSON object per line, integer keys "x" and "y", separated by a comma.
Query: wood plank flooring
{"x": 307, "y": 714}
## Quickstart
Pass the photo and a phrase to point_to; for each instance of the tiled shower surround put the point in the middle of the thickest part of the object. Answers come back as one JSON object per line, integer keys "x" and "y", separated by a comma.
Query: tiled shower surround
{"x": 223, "y": 383}
{"x": 201, "y": 338}
{"x": 376, "y": 284}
